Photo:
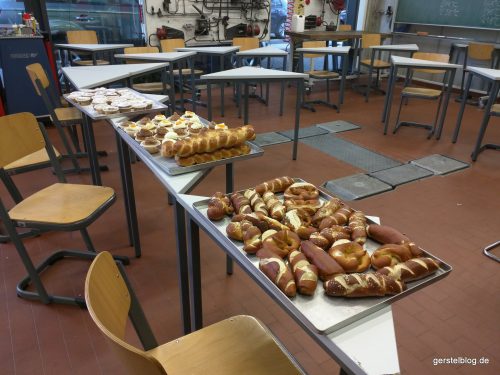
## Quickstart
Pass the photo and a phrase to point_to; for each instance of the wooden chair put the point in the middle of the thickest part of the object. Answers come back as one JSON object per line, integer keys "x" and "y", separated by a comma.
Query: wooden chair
{"x": 147, "y": 87}
{"x": 62, "y": 117}
{"x": 326, "y": 75}
{"x": 344, "y": 27}
{"x": 424, "y": 93}
{"x": 84, "y": 37}
{"x": 170, "y": 45}
{"x": 238, "y": 345}
{"x": 60, "y": 206}
{"x": 368, "y": 40}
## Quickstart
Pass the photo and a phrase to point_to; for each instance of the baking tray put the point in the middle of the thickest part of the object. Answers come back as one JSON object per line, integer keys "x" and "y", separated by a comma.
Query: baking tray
{"x": 170, "y": 166}
{"x": 90, "y": 112}
{"x": 326, "y": 314}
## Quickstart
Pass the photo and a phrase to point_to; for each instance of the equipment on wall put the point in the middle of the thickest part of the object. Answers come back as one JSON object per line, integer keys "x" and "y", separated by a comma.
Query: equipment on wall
{"x": 310, "y": 22}
{"x": 166, "y": 32}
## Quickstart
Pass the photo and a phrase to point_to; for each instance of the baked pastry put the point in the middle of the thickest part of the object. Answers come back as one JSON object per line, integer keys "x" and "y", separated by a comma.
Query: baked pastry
{"x": 413, "y": 269}
{"x": 221, "y": 126}
{"x": 301, "y": 191}
{"x": 328, "y": 236}
{"x": 357, "y": 223}
{"x": 386, "y": 235}
{"x": 139, "y": 106}
{"x": 195, "y": 127}
{"x": 84, "y": 100}
{"x": 363, "y": 285}
{"x": 327, "y": 209}
{"x": 276, "y": 185}
{"x": 274, "y": 205}
{"x": 310, "y": 206}
{"x": 219, "y": 206}
{"x": 305, "y": 273}
{"x": 252, "y": 241}
{"x": 390, "y": 255}
{"x": 350, "y": 255}
{"x": 180, "y": 127}
{"x": 160, "y": 133}
{"x": 224, "y": 153}
{"x": 132, "y": 129}
{"x": 278, "y": 272}
{"x": 340, "y": 217}
{"x": 256, "y": 201}
{"x": 327, "y": 266}
{"x": 167, "y": 147}
{"x": 282, "y": 243}
{"x": 110, "y": 110}
{"x": 300, "y": 222}
{"x": 142, "y": 134}
{"x": 152, "y": 145}
{"x": 124, "y": 106}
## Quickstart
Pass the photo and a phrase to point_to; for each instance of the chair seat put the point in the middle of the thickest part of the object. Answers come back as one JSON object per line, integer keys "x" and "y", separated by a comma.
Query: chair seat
{"x": 149, "y": 87}
{"x": 37, "y": 157}
{"x": 495, "y": 110}
{"x": 322, "y": 74}
{"x": 187, "y": 72}
{"x": 238, "y": 345}
{"x": 377, "y": 64}
{"x": 421, "y": 92}
{"x": 90, "y": 62}
{"x": 62, "y": 204}
{"x": 68, "y": 114}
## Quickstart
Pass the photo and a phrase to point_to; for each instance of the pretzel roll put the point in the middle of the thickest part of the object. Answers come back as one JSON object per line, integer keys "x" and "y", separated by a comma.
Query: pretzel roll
{"x": 236, "y": 229}
{"x": 301, "y": 191}
{"x": 305, "y": 273}
{"x": 274, "y": 206}
{"x": 309, "y": 206}
{"x": 340, "y": 217}
{"x": 251, "y": 240}
{"x": 363, "y": 285}
{"x": 328, "y": 236}
{"x": 282, "y": 242}
{"x": 219, "y": 206}
{"x": 275, "y": 185}
{"x": 385, "y": 234}
{"x": 279, "y": 273}
{"x": 268, "y": 233}
{"x": 256, "y": 201}
{"x": 271, "y": 223}
{"x": 254, "y": 218}
{"x": 390, "y": 255}
{"x": 327, "y": 209}
{"x": 241, "y": 204}
{"x": 413, "y": 269}
{"x": 299, "y": 222}
{"x": 357, "y": 223}
{"x": 327, "y": 266}
{"x": 350, "y": 255}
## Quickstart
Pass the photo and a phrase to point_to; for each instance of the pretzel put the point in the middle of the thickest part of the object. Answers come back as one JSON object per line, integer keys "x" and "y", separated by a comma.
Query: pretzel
{"x": 251, "y": 240}
{"x": 275, "y": 185}
{"x": 241, "y": 204}
{"x": 328, "y": 209}
{"x": 363, "y": 285}
{"x": 340, "y": 217}
{"x": 282, "y": 243}
{"x": 386, "y": 234}
{"x": 390, "y": 255}
{"x": 301, "y": 191}
{"x": 256, "y": 201}
{"x": 219, "y": 206}
{"x": 236, "y": 229}
{"x": 328, "y": 236}
{"x": 413, "y": 269}
{"x": 274, "y": 206}
{"x": 327, "y": 266}
{"x": 357, "y": 223}
{"x": 255, "y": 218}
{"x": 277, "y": 271}
{"x": 350, "y": 255}
{"x": 310, "y": 206}
{"x": 305, "y": 273}
{"x": 299, "y": 222}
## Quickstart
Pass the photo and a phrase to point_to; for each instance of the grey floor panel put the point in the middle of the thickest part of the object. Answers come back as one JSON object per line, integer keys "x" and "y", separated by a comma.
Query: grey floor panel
{"x": 355, "y": 187}
{"x": 305, "y": 132}
{"x": 439, "y": 164}
{"x": 351, "y": 153}
{"x": 272, "y": 138}
{"x": 337, "y": 126}
{"x": 402, "y": 174}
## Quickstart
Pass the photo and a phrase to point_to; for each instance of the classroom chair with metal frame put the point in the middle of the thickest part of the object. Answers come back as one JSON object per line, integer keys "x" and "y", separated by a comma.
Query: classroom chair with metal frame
{"x": 58, "y": 207}
{"x": 84, "y": 37}
{"x": 326, "y": 75}
{"x": 377, "y": 64}
{"x": 156, "y": 87}
{"x": 237, "y": 345}
{"x": 423, "y": 93}
{"x": 476, "y": 51}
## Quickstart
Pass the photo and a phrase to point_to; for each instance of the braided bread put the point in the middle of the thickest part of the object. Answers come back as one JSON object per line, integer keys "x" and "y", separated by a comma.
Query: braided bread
{"x": 305, "y": 273}
{"x": 340, "y": 217}
{"x": 413, "y": 269}
{"x": 328, "y": 236}
{"x": 357, "y": 223}
{"x": 390, "y": 255}
{"x": 241, "y": 204}
{"x": 256, "y": 201}
{"x": 167, "y": 148}
{"x": 225, "y": 153}
{"x": 219, "y": 206}
{"x": 328, "y": 209}
{"x": 386, "y": 234}
{"x": 363, "y": 285}
{"x": 327, "y": 266}
{"x": 275, "y": 185}
{"x": 282, "y": 243}
{"x": 277, "y": 271}
{"x": 350, "y": 255}
{"x": 274, "y": 206}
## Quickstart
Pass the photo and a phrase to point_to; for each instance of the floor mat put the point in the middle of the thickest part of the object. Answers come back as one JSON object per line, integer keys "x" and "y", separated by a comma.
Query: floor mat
{"x": 337, "y": 126}
{"x": 357, "y": 186}
{"x": 439, "y": 164}
{"x": 402, "y": 174}
{"x": 351, "y": 153}
{"x": 305, "y": 132}
{"x": 272, "y": 138}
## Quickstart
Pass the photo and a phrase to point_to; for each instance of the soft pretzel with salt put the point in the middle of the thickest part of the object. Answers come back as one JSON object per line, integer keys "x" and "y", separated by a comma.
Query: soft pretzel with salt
{"x": 301, "y": 191}
{"x": 350, "y": 255}
{"x": 282, "y": 243}
{"x": 390, "y": 255}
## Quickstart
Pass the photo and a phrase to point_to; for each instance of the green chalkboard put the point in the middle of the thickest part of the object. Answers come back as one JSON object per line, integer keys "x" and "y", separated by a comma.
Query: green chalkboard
{"x": 466, "y": 13}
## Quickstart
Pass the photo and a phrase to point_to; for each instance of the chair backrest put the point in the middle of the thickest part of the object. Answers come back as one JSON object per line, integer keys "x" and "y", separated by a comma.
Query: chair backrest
{"x": 368, "y": 40}
{"x": 108, "y": 302}
{"x": 480, "y": 51}
{"x": 342, "y": 27}
{"x": 312, "y": 56}
{"x": 431, "y": 56}
{"x": 141, "y": 50}
{"x": 82, "y": 37}
{"x": 169, "y": 45}
{"x": 20, "y": 135}
{"x": 246, "y": 43}
{"x": 36, "y": 72}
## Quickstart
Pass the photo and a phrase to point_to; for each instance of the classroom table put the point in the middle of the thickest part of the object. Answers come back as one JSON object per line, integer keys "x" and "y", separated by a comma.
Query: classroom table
{"x": 333, "y": 51}
{"x": 267, "y": 52}
{"x": 365, "y": 346}
{"x": 391, "y": 48}
{"x": 493, "y": 76}
{"x": 248, "y": 74}
{"x": 398, "y": 62}
{"x": 94, "y": 49}
{"x": 222, "y": 52}
{"x": 171, "y": 58}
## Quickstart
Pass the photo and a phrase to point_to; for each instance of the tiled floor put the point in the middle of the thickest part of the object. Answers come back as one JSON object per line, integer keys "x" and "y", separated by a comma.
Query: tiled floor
{"x": 453, "y": 216}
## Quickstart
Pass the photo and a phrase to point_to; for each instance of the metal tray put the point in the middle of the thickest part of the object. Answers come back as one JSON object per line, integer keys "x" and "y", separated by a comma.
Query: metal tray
{"x": 327, "y": 314}
{"x": 90, "y": 112}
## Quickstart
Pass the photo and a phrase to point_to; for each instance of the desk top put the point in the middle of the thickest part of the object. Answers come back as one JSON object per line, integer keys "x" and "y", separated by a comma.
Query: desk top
{"x": 86, "y": 77}
{"x": 396, "y": 47}
{"x": 210, "y": 50}
{"x": 418, "y": 63}
{"x": 328, "y": 35}
{"x": 331, "y": 50}
{"x": 263, "y": 51}
{"x": 249, "y": 72}
{"x": 93, "y": 47}
{"x": 493, "y": 74}
{"x": 160, "y": 56}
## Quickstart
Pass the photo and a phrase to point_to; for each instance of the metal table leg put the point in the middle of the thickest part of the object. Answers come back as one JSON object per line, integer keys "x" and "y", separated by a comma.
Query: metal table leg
{"x": 91, "y": 149}
{"x": 209, "y": 101}
{"x": 445, "y": 105}
{"x": 195, "y": 275}
{"x": 300, "y": 88}
{"x": 464, "y": 95}
{"x": 282, "y": 97}
{"x": 172, "y": 86}
{"x": 229, "y": 189}
{"x": 388, "y": 98}
{"x": 245, "y": 105}
{"x": 222, "y": 88}
{"x": 342, "y": 80}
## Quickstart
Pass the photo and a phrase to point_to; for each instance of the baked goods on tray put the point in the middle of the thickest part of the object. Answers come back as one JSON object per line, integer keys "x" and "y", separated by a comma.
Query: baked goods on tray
{"x": 301, "y": 238}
